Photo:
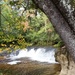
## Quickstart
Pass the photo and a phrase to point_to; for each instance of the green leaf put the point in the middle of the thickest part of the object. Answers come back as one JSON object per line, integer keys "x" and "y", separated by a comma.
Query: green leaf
{"x": 2, "y": 2}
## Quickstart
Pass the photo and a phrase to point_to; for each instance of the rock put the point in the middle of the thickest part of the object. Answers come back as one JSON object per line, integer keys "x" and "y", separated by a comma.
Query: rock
{"x": 15, "y": 52}
{"x": 66, "y": 62}
{"x": 4, "y": 53}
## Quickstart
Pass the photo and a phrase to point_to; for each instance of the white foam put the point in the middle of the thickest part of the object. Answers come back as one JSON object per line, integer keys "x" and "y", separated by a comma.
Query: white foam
{"x": 13, "y": 62}
{"x": 39, "y": 55}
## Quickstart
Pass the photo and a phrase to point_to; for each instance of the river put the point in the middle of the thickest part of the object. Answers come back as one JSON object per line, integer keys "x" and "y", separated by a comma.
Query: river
{"x": 30, "y": 61}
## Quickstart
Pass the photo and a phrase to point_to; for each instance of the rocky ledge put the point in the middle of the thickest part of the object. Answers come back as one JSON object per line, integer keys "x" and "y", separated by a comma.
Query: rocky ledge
{"x": 66, "y": 62}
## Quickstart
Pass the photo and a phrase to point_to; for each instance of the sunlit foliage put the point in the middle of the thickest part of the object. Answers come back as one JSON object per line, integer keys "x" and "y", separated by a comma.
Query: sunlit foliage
{"x": 22, "y": 24}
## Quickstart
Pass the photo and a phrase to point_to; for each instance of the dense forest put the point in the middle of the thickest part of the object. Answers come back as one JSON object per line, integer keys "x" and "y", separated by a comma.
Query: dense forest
{"x": 22, "y": 24}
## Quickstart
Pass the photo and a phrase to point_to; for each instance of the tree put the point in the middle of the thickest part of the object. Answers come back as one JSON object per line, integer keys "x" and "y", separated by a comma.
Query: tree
{"x": 11, "y": 28}
{"x": 64, "y": 25}
{"x": 25, "y": 25}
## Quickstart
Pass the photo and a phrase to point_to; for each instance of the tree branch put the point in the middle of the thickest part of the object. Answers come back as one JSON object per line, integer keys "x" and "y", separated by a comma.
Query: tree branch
{"x": 59, "y": 23}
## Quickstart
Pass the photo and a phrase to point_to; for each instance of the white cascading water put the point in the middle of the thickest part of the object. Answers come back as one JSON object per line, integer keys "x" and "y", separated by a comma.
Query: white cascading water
{"x": 39, "y": 54}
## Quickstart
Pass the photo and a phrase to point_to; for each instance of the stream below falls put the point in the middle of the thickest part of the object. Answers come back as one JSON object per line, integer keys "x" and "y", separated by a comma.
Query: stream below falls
{"x": 30, "y": 61}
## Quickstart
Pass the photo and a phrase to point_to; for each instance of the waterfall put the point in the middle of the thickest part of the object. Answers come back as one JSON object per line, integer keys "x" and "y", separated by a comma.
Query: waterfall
{"x": 41, "y": 54}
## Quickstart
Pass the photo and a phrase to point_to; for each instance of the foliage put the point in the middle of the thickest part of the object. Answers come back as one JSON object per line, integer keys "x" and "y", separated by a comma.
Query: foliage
{"x": 73, "y": 3}
{"x": 24, "y": 25}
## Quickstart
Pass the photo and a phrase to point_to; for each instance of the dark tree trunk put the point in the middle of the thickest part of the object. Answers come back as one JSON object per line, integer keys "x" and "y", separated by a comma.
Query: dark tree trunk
{"x": 60, "y": 22}
{"x": 67, "y": 10}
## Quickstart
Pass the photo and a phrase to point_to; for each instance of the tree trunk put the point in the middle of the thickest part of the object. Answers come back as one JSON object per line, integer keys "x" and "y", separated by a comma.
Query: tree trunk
{"x": 67, "y": 10}
{"x": 62, "y": 27}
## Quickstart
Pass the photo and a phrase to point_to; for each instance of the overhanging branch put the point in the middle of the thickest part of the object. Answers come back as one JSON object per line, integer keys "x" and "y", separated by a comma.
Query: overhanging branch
{"x": 59, "y": 23}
